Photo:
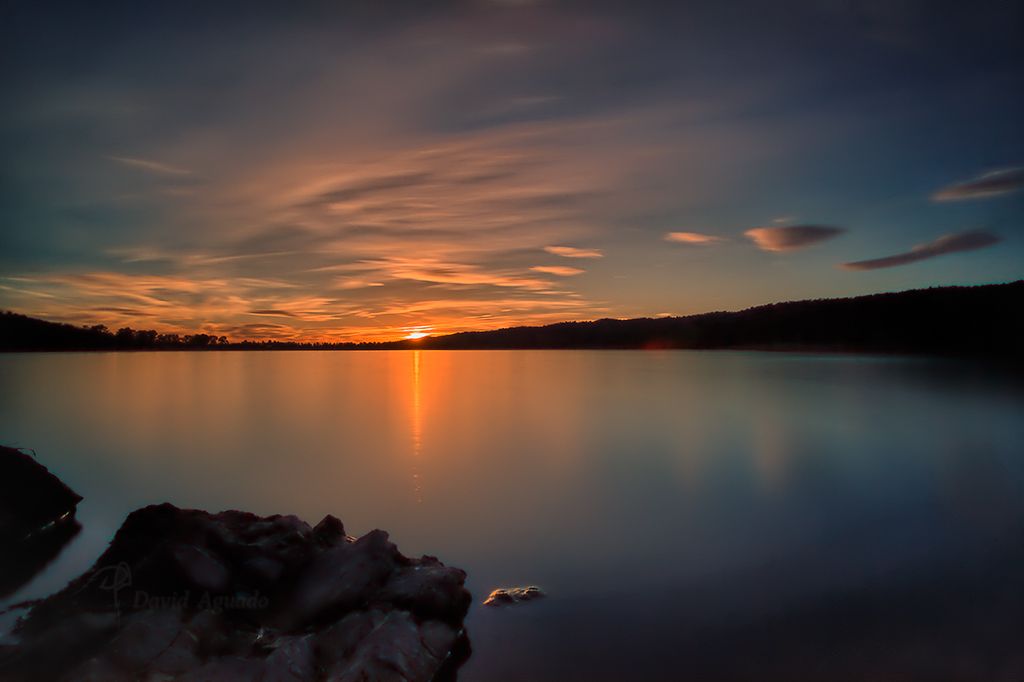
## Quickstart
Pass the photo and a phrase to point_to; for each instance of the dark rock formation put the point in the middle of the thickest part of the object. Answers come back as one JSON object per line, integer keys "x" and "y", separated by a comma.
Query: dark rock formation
{"x": 513, "y": 595}
{"x": 187, "y": 595}
{"x": 31, "y": 498}
{"x": 36, "y": 518}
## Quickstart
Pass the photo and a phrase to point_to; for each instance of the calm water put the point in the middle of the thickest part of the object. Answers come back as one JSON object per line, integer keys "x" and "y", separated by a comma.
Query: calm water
{"x": 728, "y": 514}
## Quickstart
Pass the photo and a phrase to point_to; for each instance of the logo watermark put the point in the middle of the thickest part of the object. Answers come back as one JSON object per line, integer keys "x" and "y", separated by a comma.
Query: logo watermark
{"x": 117, "y": 579}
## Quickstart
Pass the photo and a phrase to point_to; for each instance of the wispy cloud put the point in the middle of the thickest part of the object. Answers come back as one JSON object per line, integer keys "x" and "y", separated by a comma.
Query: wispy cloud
{"x": 352, "y": 283}
{"x": 560, "y": 270}
{"x": 950, "y": 243}
{"x": 150, "y": 165}
{"x": 271, "y": 312}
{"x": 692, "y": 238}
{"x": 574, "y": 252}
{"x": 457, "y": 274}
{"x": 791, "y": 238}
{"x": 991, "y": 184}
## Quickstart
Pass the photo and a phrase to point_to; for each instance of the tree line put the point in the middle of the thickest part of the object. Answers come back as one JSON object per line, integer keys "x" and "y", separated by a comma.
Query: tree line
{"x": 951, "y": 320}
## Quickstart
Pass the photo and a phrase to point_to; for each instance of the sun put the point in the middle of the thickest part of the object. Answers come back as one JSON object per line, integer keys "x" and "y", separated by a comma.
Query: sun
{"x": 417, "y": 333}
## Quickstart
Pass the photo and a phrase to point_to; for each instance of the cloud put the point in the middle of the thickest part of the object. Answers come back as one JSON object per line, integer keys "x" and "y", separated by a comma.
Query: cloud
{"x": 791, "y": 238}
{"x": 573, "y": 252}
{"x": 991, "y": 184}
{"x": 369, "y": 187}
{"x": 272, "y": 312}
{"x": 436, "y": 271}
{"x": 346, "y": 283}
{"x": 150, "y": 165}
{"x": 694, "y": 238}
{"x": 560, "y": 270}
{"x": 125, "y": 312}
{"x": 950, "y": 243}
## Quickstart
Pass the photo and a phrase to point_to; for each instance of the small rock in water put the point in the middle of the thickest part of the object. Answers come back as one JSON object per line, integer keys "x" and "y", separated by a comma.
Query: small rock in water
{"x": 513, "y": 595}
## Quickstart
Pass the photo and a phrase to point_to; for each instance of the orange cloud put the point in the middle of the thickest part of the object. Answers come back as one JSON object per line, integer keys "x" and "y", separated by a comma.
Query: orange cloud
{"x": 560, "y": 270}
{"x": 695, "y": 238}
{"x": 573, "y": 252}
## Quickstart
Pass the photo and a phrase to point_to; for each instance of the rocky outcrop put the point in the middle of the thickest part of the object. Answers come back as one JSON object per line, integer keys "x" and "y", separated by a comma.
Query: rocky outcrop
{"x": 513, "y": 595}
{"x": 187, "y": 595}
{"x": 31, "y": 498}
{"x": 37, "y": 518}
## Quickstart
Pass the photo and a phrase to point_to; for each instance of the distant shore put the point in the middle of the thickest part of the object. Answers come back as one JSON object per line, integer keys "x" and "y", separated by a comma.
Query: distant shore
{"x": 977, "y": 320}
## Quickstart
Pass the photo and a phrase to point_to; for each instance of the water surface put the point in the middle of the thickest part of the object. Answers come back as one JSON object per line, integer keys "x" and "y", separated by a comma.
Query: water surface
{"x": 733, "y": 515}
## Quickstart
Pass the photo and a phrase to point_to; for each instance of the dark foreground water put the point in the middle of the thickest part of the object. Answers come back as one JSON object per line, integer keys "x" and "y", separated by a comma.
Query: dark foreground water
{"x": 719, "y": 515}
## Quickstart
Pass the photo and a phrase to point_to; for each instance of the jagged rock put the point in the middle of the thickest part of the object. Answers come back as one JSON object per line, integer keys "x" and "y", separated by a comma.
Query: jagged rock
{"x": 429, "y": 589}
{"x": 226, "y": 669}
{"x": 200, "y": 568}
{"x": 336, "y": 643}
{"x": 181, "y": 656}
{"x": 513, "y": 595}
{"x": 394, "y": 650}
{"x": 37, "y": 518}
{"x": 30, "y": 496}
{"x": 293, "y": 660}
{"x": 187, "y": 595}
{"x": 47, "y": 653}
{"x": 144, "y": 637}
{"x": 344, "y": 577}
{"x": 329, "y": 531}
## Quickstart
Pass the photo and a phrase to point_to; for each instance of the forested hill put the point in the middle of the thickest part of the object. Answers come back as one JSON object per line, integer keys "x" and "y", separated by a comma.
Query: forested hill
{"x": 948, "y": 320}
{"x": 981, "y": 319}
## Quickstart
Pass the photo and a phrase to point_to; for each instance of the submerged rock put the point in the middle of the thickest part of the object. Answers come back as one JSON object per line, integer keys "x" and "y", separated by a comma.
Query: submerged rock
{"x": 513, "y": 595}
{"x": 187, "y": 595}
{"x": 37, "y": 518}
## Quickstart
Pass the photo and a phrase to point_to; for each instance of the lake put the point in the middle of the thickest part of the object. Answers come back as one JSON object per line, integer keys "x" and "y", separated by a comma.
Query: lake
{"x": 728, "y": 515}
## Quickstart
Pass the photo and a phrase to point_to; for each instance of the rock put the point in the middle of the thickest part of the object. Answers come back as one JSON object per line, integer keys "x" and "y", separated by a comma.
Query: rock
{"x": 343, "y": 578}
{"x": 262, "y": 570}
{"x": 394, "y": 650}
{"x": 57, "y": 648}
{"x": 30, "y": 496}
{"x": 201, "y": 569}
{"x": 293, "y": 660}
{"x": 439, "y": 638}
{"x": 336, "y": 643}
{"x": 429, "y": 589}
{"x": 187, "y": 595}
{"x": 330, "y": 531}
{"x": 37, "y": 518}
{"x": 513, "y": 595}
{"x": 181, "y": 656}
{"x": 143, "y": 637}
{"x": 226, "y": 669}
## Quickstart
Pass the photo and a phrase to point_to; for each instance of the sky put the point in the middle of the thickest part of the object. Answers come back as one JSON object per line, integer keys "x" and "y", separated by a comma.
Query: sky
{"x": 355, "y": 170}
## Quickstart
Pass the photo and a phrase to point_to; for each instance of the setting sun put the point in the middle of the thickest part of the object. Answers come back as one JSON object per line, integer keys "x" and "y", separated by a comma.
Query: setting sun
{"x": 417, "y": 335}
